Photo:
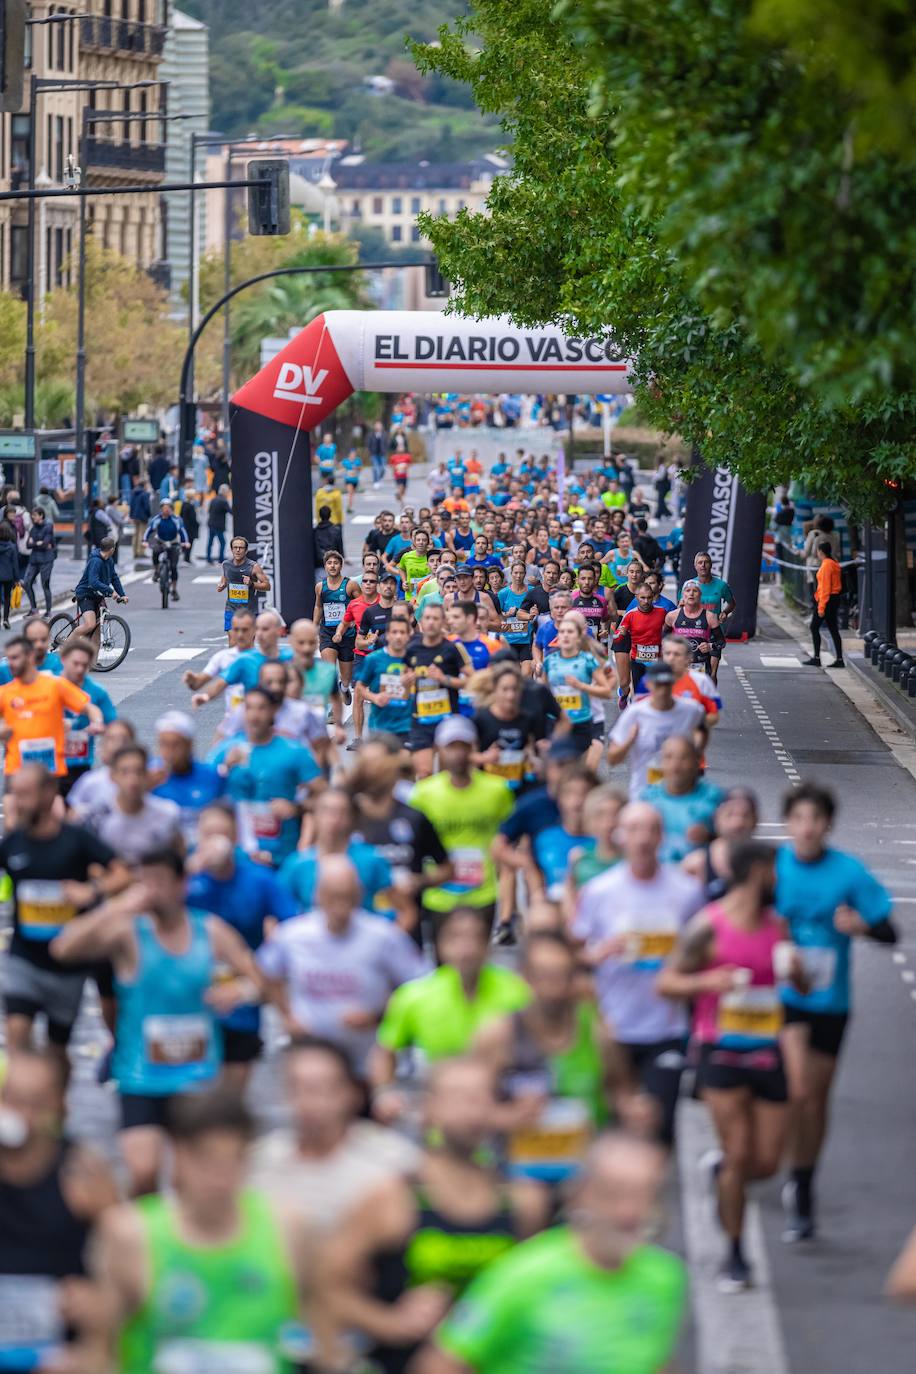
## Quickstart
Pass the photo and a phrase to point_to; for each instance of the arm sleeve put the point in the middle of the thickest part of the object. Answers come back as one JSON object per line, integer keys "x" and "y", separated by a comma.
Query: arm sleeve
{"x": 870, "y": 898}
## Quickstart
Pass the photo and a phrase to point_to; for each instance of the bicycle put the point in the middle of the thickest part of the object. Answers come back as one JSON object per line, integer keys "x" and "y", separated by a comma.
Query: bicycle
{"x": 167, "y": 569}
{"x": 114, "y": 635}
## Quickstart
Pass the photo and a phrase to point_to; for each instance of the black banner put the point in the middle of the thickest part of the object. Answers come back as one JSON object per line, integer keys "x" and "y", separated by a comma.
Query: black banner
{"x": 272, "y": 507}
{"x": 727, "y": 522}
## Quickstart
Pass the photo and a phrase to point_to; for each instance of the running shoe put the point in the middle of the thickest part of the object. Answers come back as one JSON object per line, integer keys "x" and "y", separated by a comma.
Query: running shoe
{"x": 798, "y": 1227}
{"x": 734, "y": 1276}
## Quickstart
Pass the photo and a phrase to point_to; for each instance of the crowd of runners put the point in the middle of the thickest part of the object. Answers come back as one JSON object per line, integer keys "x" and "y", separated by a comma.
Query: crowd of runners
{"x": 454, "y": 881}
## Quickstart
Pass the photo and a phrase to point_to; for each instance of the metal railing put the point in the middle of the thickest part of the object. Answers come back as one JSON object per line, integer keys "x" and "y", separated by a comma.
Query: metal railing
{"x": 122, "y": 35}
{"x": 116, "y": 153}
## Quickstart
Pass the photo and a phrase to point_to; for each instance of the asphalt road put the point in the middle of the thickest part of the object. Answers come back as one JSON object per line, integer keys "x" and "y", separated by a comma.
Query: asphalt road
{"x": 816, "y": 1309}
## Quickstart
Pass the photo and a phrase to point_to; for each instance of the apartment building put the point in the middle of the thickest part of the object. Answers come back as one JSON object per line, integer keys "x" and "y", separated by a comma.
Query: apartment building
{"x": 116, "y": 41}
{"x": 389, "y": 196}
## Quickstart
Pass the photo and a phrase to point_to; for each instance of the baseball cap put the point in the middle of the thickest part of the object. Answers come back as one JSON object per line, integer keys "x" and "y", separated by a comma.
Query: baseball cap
{"x": 462, "y": 571}
{"x": 660, "y": 673}
{"x": 563, "y": 748}
{"x": 175, "y": 723}
{"x": 388, "y": 577}
{"x": 579, "y": 526}
{"x": 455, "y": 730}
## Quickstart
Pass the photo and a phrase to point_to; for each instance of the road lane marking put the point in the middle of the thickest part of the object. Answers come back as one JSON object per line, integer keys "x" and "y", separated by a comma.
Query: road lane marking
{"x": 734, "y": 1332}
{"x": 362, "y": 519}
{"x": 181, "y": 653}
{"x": 778, "y": 661}
{"x": 207, "y": 579}
{"x": 783, "y": 756}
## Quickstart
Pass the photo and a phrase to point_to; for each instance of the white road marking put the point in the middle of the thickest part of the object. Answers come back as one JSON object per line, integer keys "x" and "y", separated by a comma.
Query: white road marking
{"x": 784, "y": 758}
{"x": 899, "y": 958}
{"x": 740, "y": 1332}
{"x": 181, "y": 653}
{"x": 207, "y": 579}
{"x": 778, "y": 661}
{"x": 362, "y": 519}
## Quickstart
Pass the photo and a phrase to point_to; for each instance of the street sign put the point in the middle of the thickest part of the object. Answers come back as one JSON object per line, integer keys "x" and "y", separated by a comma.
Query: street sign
{"x": 18, "y": 444}
{"x": 139, "y": 431}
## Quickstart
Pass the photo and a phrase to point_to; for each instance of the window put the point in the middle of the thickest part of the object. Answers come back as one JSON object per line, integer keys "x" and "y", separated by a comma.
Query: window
{"x": 18, "y": 253}
{"x": 376, "y": 205}
{"x": 49, "y": 254}
{"x": 462, "y": 204}
{"x": 27, "y": 52}
{"x": 71, "y": 62}
{"x": 58, "y": 172}
{"x": 415, "y": 234}
{"x": 142, "y": 122}
{"x": 141, "y": 11}
{"x": 61, "y": 31}
{"x": 355, "y": 207}
{"x": 415, "y": 205}
{"x": 396, "y": 205}
{"x": 19, "y": 150}
{"x": 396, "y": 233}
{"x": 442, "y": 205}
{"x": 70, "y": 148}
{"x": 50, "y": 32}
{"x": 69, "y": 257}
{"x": 58, "y": 257}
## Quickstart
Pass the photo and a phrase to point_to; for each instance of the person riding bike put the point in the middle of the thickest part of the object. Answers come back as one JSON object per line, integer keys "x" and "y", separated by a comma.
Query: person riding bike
{"x": 99, "y": 579}
{"x": 166, "y": 533}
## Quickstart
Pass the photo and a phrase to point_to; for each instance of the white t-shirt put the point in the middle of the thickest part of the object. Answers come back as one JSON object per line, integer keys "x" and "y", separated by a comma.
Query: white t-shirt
{"x": 328, "y": 975}
{"x": 217, "y": 665}
{"x": 654, "y": 728}
{"x": 92, "y": 791}
{"x": 649, "y": 915}
{"x": 156, "y": 825}
{"x": 324, "y": 1189}
{"x": 294, "y": 720}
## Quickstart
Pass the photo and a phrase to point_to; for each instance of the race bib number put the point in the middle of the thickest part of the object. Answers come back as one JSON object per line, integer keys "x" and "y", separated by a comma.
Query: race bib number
{"x": 554, "y": 1146}
{"x": 820, "y": 966}
{"x": 213, "y": 1357}
{"x": 260, "y": 821}
{"x": 511, "y": 765}
{"x": 754, "y": 1013}
{"x": 647, "y": 653}
{"x": 393, "y": 684}
{"x": 433, "y": 702}
{"x": 468, "y": 866}
{"x": 569, "y": 701}
{"x": 649, "y": 948}
{"x": 41, "y": 751}
{"x": 176, "y": 1041}
{"x": 334, "y": 612}
{"x": 235, "y": 696}
{"x": 30, "y": 1323}
{"x": 43, "y": 909}
{"x": 238, "y": 593}
{"x": 77, "y": 746}
{"x": 516, "y": 627}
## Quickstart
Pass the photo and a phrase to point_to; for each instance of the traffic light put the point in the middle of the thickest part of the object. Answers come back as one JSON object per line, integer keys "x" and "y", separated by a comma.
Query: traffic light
{"x": 268, "y": 203}
{"x": 12, "y": 54}
{"x": 436, "y": 284}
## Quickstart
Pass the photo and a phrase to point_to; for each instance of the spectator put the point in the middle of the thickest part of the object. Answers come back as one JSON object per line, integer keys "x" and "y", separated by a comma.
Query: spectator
{"x": 217, "y": 515}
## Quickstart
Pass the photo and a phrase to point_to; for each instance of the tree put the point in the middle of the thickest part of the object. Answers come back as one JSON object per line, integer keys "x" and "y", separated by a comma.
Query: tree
{"x": 569, "y": 238}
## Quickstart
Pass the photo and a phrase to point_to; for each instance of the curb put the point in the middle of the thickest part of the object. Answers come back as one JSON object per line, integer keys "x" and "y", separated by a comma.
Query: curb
{"x": 886, "y": 693}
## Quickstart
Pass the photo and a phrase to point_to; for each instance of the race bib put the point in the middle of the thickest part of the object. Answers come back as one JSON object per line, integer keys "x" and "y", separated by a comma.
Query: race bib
{"x": 77, "y": 746}
{"x": 649, "y": 948}
{"x": 41, "y": 751}
{"x": 553, "y": 1148}
{"x": 511, "y": 765}
{"x": 820, "y": 966}
{"x": 334, "y": 612}
{"x": 238, "y": 592}
{"x": 176, "y": 1041}
{"x": 315, "y": 702}
{"x": 468, "y": 866}
{"x": 433, "y": 702}
{"x": 654, "y": 771}
{"x": 43, "y": 909}
{"x": 569, "y": 701}
{"x": 260, "y": 821}
{"x": 30, "y": 1323}
{"x": 516, "y": 627}
{"x": 647, "y": 653}
{"x": 755, "y": 1013}
{"x": 235, "y": 696}
{"x": 213, "y": 1357}
{"x": 393, "y": 684}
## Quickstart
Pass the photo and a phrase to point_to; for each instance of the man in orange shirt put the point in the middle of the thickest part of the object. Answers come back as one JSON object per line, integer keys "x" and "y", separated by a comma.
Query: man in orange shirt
{"x": 32, "y": 709}
{"x": 828, "y": 591}
{"x": 677, "y": 654}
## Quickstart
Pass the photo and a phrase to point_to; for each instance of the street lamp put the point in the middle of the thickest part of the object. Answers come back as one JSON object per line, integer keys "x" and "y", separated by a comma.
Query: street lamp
{"x": 327, "y": 185}
{"x": 39, "y": 86}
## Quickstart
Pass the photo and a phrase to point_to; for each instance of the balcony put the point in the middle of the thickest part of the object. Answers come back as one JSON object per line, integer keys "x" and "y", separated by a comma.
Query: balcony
{"x": 111, "y": 155}
{"x": 122, "y": 36}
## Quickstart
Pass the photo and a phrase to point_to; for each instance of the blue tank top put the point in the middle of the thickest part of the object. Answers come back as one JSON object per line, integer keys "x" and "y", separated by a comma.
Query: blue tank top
{"x": 333, "y": 605}
{"x": 510, "y": 601}
{"x": 168, "y": 1039}
{"x": 576, "y": 703}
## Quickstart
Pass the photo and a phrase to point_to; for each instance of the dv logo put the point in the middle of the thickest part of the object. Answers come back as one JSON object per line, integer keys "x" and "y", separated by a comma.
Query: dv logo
{"x": 299, "y": 383}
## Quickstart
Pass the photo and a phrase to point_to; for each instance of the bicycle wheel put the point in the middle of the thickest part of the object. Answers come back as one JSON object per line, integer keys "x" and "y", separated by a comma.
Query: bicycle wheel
{"x": 164, "y": 589}
{"x": 61, "y": 626}
{"x": 113, "y": 645}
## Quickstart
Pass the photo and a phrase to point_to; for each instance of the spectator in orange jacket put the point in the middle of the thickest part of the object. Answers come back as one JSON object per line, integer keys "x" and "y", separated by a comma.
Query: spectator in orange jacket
{"x": 828, "y": 590}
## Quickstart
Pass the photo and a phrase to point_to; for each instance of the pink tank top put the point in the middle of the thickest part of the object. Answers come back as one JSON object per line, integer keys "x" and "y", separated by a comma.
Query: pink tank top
{"x": 751, "y": 1015}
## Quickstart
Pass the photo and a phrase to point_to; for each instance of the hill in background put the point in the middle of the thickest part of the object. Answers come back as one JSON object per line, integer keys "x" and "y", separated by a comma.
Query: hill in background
{"x": 301, "y": 67}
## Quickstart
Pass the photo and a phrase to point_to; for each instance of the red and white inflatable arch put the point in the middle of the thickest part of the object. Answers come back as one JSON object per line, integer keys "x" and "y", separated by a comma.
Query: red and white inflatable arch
{"x": 344, "y": 351}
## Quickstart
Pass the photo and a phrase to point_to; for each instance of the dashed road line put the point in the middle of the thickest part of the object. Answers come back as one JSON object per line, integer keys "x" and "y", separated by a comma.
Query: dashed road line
{"x": 784, "y": 758}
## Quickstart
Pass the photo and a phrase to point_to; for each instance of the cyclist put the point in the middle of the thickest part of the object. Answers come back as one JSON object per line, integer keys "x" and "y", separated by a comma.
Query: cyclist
{"x": 166, "y": 533}
{"x": 99, "y": 579}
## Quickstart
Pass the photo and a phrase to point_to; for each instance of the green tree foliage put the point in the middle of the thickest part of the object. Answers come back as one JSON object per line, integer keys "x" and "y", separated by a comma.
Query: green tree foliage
{"x": 300, "y": 65}
{"x": 574, "y": 235}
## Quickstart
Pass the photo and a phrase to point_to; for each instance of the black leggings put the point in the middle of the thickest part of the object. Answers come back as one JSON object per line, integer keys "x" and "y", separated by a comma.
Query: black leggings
{"x": 35, "y": 570}
{"x": 829, "y": 619}
{"x": 6, "y": 592}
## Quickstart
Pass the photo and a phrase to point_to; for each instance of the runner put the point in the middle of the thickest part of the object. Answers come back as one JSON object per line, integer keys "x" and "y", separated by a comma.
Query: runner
{"x": 639, "y": 734}
{"x": 334, "y": 832}
{"x": 133, "y": 823}
{"x": 717, "y": 596}
{"x": 589, "y": 603}
{"x": 629, "y": 919}
{"x": 77, "y": 657}
{"x": 578, "y": 679}
{"x": 413, "y": 565}
{"x": 212, "y": 1275}
{"x": 726, "y": 964}
{"x": 828, "y": 898}
{"x": 413, "y": 1246}
{"x": 686, "y": 802}
{"x": 331, "y": 600}
{"x": 352, "y": 466}
{"x": 437, "y": 671}
{"x": 176, "y": 776}
{"x": 320, "y": 684}
{"x": 95, "y": 788}
{"x": 242, "y": 673}
{"x": 243, "y": 580}
{"x": 355, "y": 610}
{"x": 384, "y": 683}
{"x": 517, "y": 622}
{"x": 33, "y": 709}
{"x": 695, "y": 623}
{"x": 165, "y": 958}
{"x": 517, "y": 1314}
{"x": 506, "y": 734}
{"x": 645, "y": 629}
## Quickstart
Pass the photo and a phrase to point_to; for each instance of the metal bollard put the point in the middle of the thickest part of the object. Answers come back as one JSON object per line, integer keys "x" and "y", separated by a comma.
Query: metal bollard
{"x": 880, "y": 651}
{"x": 906, "y": 668}
{"x": 901, "y": 663}
{"x": 911, "y": 685}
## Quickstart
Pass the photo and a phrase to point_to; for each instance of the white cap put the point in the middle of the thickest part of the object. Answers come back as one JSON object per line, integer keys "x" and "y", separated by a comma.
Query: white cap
{"x": 455, "y": 730}
{"x": 175, "y": 723}
{"x": 579, "y": 526}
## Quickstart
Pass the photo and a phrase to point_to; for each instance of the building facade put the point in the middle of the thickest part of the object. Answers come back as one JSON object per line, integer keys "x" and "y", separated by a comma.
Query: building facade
{"x": 186, "y": 67}
{"x": 115, "y": 41}
{"x": 389, "y": 196}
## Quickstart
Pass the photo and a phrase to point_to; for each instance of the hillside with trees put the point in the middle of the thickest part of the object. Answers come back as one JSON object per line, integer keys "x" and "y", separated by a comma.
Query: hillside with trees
{"x": 303, "y": 67}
